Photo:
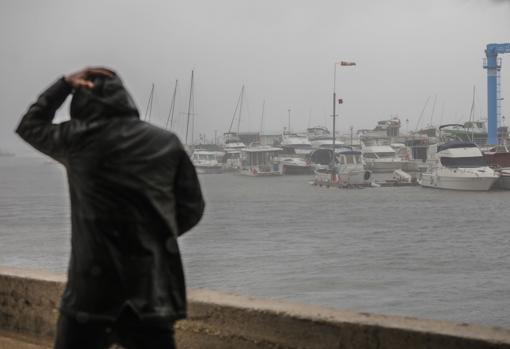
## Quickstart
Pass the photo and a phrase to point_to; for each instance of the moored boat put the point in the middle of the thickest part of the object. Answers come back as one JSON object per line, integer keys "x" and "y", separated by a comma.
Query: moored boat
{"x": 207, "y": 161}
{"x": 458, "y": 165}
{"x": 260, "y": 160}
{"x": 349, "y": 168}
{"x": 292, "y": 165}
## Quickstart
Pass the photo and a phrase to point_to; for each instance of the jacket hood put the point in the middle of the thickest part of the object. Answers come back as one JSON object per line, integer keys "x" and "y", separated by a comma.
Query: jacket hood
{"x": 107, "y": 98}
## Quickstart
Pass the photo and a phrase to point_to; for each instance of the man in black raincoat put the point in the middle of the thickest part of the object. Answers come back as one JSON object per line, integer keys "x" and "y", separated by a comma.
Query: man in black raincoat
{"x": 133, "y": 191}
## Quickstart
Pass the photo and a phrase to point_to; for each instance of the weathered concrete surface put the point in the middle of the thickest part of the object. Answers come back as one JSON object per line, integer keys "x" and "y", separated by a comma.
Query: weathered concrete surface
{"x": 28, "y": 305}
{"x": 13, "y": 340}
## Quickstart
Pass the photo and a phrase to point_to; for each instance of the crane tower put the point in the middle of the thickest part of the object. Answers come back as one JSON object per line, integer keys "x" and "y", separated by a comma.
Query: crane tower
{"x": 493, "y": 66}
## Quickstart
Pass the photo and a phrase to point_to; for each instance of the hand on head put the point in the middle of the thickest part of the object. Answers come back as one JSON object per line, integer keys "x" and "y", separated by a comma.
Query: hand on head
{"x": 81, "y": 78}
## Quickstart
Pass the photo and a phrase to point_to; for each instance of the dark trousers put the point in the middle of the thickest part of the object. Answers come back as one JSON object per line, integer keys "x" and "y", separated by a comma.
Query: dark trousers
{"x": 128, "y": 331}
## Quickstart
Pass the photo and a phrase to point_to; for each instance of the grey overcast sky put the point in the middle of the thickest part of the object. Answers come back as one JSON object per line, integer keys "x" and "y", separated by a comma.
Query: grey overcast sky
{"x": 283, "y": 51}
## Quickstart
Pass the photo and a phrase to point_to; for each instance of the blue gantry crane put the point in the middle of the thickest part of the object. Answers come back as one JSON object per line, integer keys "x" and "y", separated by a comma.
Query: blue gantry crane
{"x": 493, "y": 66}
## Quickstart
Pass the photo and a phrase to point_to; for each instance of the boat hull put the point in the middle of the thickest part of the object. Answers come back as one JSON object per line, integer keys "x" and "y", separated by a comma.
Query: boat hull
{"x": 476, "y": 183}
{"x": 384, "y": 166}
{"x": 209, "y": 169}
{"x": 296, "y": 170}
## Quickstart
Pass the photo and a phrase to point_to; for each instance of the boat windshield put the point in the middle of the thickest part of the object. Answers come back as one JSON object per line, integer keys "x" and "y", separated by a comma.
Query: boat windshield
{"x": 472, "y": 161}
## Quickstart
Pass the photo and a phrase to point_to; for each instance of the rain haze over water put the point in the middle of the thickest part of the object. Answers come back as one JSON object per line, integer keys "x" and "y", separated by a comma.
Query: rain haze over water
{"x": 408, "y": 251}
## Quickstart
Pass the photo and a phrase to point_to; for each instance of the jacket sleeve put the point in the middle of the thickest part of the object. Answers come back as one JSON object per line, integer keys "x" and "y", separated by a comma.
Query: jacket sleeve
{"x": 36, "y": 126}
{"x": 189, "y": 201}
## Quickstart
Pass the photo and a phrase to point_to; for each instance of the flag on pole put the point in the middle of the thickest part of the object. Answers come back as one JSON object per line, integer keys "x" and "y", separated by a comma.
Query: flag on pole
{"x": 344, "y": 63}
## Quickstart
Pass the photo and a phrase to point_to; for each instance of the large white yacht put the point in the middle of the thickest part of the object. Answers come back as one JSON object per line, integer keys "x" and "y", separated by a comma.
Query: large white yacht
{"x": 457, "y": 165}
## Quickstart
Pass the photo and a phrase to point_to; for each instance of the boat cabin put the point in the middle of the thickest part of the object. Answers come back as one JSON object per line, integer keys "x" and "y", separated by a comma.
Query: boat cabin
{"x": 260, "y": 160}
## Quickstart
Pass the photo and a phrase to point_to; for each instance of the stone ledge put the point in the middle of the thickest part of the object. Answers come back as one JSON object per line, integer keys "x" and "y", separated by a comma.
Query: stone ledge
{"x": 29, "y": 299}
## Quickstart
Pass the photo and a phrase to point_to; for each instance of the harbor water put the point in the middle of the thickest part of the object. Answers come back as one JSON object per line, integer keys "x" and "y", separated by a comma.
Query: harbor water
{"x": 407, "y": 251}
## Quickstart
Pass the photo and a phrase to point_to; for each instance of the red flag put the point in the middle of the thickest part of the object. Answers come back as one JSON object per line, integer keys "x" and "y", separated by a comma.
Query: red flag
{"x": 344, "y": 63}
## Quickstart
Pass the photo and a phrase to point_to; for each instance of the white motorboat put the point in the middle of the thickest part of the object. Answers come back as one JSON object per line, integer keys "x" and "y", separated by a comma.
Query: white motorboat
{"x": 293, "y": 165}
{"x": 457, "y": 165}
{"x": 260, "y": 160}
{"x": 320, "y": 137}
{"x": 207, "y": 161}
{"x": 382, "y": 158}
{"x": 349, "y": 168}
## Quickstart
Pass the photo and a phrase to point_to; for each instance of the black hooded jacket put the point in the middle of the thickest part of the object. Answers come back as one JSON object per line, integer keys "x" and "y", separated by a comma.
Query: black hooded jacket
{"x": 133, "y": 191}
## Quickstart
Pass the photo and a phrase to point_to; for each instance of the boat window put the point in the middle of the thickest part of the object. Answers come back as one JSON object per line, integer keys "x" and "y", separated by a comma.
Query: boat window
{"x": 370, "y": 156}
{"x": 473, "y": 161}
{"x": 350, "y": 159}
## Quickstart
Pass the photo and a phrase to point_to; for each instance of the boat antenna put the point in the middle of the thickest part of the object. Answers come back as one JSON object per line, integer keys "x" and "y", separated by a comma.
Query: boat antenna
{"x": 172, "y": 108}
{"x": 189, "y": 107}
{"x": 148, "y": 110}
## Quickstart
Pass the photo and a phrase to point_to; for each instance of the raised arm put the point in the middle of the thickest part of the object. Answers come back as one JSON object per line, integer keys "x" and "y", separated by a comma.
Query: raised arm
{"x": 36, "y": 126}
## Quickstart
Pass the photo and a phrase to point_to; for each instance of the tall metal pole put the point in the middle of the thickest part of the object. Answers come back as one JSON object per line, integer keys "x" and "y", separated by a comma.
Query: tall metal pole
{"x": 333, "y": 167}
{"x": 189, "y": 107}
{"x": 172, "y": 108}
{"x": 288, "y": 131}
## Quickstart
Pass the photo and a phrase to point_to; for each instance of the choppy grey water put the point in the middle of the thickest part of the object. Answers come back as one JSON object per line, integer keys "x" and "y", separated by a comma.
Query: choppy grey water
{"x": 408, "y": 251}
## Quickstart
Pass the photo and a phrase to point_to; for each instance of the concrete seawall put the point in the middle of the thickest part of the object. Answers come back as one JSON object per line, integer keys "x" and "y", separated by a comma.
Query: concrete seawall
{"x": 29, "y": 301}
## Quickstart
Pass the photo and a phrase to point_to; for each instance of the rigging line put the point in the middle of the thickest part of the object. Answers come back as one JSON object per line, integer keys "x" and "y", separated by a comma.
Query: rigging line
{"x": 149, "y": 102}
{"x": 422, "y": 112}
{"x": 433, "y": 109}
{"x": 235, "y": 112}
{"x": 248, "y": 113}
{"x": 442, "y": 114}
{"x": 172, "y": 108}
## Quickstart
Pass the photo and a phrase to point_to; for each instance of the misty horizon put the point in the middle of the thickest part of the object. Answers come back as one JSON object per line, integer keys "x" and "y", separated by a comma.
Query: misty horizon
{"x": 283, "y": 53}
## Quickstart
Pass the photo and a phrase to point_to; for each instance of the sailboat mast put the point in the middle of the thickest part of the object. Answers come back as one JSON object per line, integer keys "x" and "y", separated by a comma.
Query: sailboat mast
{"x": 262, "y": 117}
{"x": 240, "y": 110}
{"x": 472, "y": 115}
{"x": 189, "y": 107}
{"x": 172, "y": 108}
{"x": 148, "y": 110}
